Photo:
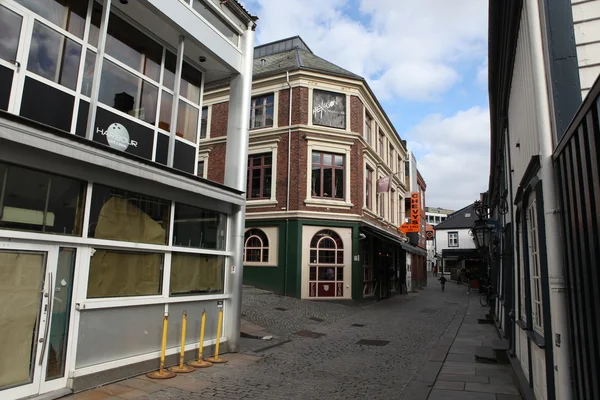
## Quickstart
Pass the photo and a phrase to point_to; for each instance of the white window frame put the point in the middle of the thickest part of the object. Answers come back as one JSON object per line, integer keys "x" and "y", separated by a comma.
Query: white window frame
{"x": 275, "y": 94}
{"x": 272, "y": 234}
{"x": 453, "y": 239}
{"x": 269, "y": 146}
{"x": 533, "y": 244}
{"x": 203, "y": 155}
{"x": 340, "y": 147}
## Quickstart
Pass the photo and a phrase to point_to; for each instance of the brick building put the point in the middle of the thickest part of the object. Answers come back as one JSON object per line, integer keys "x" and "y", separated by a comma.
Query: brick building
{"x": 332, "y": 232}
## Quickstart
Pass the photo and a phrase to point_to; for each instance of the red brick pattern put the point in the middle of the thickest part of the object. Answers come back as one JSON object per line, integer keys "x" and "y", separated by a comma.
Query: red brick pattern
{"x": 218, "y": 122}
{"x": 356, "y": 115}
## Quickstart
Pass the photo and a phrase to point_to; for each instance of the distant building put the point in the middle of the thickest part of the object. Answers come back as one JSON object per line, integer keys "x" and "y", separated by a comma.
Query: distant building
{"x": 436, "y": 215}
{"x": 455, "y": 243}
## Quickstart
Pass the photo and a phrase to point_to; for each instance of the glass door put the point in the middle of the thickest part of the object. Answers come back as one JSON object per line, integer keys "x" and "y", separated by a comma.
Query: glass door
{"x": 35, "y": 303}
{"x": 12, "y": 52}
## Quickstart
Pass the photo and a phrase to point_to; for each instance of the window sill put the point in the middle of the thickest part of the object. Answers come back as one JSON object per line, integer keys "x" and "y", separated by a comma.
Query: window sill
{"x": 258, "y": 264}
{"x": 537, "y": 339}
{"x": 521, "y": 324}
{"x": 370, "y": 212}
{"x": 328, "y": 203}
{"x": 261, "y": 203}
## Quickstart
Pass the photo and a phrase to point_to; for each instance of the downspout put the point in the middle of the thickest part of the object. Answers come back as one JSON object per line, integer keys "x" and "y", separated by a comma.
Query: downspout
{"x": 287, "y": 200}
{"x": 554, "y": 249}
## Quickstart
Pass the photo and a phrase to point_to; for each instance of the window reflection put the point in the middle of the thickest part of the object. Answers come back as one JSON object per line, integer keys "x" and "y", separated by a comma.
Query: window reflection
{"x": 191, "y": 80}
{"x": 133, "y": 48}
{"x": 37, "y": 201}
{"x": 9, "y": 34}
{"x": 126, "y": 92}
{"x": 187, "y": 121}
{"x": 88, "y": 73}
{"x": 67, "y": 14}
{"x": 118, "y": 214}
{"x": 166, "y": 108}
{"x": 53, "y": 56}
{"x": 196, "y": 227}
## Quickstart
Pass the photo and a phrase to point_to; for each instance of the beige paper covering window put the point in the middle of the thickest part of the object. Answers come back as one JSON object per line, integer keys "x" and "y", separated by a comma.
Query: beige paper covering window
{"x": 192, "y": 273}
{"x": 116, "y": 273}
{"x": 121, "y": 220}
{"x": 21, "y": 276}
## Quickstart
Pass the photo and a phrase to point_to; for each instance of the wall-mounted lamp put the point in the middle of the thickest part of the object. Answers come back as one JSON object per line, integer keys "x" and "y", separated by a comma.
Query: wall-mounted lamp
{"x": 202, "y": 59}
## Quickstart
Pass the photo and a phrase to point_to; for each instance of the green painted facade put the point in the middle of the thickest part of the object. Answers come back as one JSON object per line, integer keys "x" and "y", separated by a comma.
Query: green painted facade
{"x": 286, "y": 277}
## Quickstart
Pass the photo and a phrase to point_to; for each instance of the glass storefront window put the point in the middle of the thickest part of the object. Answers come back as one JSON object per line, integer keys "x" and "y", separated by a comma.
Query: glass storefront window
{"x": 54, "y": 56}
{"x": 126, "y": 92}
{"x": 187, "y": 121}
{"x": 191, "y": 81}
{"x": 133, "y": 48}
{"x": 37, "y": 201}
{"x": 118, "y": 214}
{"x": 124, "y": 273}
{"x": 203, "y": 9}
{"x": 196, "y": 274}
{"x": 88, "y": 73}
{"x": 166, "y": 108}
{"x": 67, "y": 14}
{"x": 199, "y": 228}
{"x": 9, "y": 34}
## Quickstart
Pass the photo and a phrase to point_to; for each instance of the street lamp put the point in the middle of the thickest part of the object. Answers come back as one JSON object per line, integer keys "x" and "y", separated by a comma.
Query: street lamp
{"x": 482, "y": 234}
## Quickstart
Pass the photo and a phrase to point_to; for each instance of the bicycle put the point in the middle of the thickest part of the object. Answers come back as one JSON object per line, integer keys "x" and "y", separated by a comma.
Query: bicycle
{"x": 486, "y": 298}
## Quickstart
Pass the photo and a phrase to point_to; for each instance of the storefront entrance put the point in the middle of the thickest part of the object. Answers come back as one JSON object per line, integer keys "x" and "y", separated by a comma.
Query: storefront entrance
{"x": 35, "y": 303}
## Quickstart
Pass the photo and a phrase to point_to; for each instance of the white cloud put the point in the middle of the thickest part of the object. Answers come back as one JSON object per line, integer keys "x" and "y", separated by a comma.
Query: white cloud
{"x": 409, "y": 49}
{"x": 453, "y": 156}
{"x": 482, "y": 74}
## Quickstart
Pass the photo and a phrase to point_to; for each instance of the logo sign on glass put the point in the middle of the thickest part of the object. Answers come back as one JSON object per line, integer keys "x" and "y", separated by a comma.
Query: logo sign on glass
{"x": 117, "y": 136}
{"x": 329, "y": 109}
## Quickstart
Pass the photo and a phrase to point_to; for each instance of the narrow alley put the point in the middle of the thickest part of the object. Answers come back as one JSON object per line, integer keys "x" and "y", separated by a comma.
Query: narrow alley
{"x": 317, "y": 353}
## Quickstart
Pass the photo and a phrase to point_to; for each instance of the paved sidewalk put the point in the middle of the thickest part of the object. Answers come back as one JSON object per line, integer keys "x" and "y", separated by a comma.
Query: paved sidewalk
{"x": 451, "y": 372}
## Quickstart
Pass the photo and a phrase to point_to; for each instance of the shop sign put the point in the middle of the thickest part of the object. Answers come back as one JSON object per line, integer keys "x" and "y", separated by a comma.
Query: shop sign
{"x": 117, "y": 136}
{"x": 414, "y": 223}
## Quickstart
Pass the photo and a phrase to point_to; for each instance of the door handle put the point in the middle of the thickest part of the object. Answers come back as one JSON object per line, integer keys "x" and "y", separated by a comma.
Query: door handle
{"x": 17, "y": 64}
{"x": 44, "y": 339}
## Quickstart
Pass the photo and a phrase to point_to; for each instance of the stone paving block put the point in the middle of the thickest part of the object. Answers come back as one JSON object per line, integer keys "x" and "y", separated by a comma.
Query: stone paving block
{"x": 509, "y": 397}
{"x": 430, "y": 371}
{"x": 133, "y": 394}
{"x": 144, "y": 385}
{"x": 463, "y": 378}
{"x": 445, "y": 385}
{"x": 437, "y": 394}
{"x": 464, "y": 370}
{"x": 458, "y": 348}
{"x": 114, "y": 389}
{"x": 488, "y": 388}
{"x": 455, "y": 357}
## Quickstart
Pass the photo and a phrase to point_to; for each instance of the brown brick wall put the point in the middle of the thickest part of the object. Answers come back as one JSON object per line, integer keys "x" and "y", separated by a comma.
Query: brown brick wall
{"x": 218, "y": 122}
{"x": 284, "y": 107}
{"x": 356, "y": 115}
{"x": 216, "y": 163}
{"x": 300, "y": 106}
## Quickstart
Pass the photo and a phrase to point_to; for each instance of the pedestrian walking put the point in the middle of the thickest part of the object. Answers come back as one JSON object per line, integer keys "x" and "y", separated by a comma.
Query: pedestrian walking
{"x": 468, "y": 279}
{"x": 443, "y": 282}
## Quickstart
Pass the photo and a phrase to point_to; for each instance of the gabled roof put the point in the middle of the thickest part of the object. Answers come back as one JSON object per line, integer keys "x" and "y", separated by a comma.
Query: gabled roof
{"x": 289, "y": 54}
{"x": 461, "y": 219}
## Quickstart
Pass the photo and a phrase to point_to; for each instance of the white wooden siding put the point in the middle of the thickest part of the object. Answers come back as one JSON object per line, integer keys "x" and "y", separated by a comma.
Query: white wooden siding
{"x": 586, "y": 20}
{"x": 522, "y": 114}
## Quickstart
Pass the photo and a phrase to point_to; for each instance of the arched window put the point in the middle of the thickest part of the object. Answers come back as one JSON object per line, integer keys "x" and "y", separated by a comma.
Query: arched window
{"x": 326, "y": 274}
{"x": 256, "y": 246}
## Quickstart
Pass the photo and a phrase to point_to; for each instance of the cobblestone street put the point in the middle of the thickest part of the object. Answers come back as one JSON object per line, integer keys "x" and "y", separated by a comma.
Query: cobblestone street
{"x": 401, "y": 334}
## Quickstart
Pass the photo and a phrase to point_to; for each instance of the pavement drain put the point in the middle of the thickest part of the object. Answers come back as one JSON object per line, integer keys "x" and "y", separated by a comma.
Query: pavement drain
{"x": 281, "y": 308}
{"x": 310, "y": 334}
{"x": 316, "y": 319}
{"x": 371, "y": 342}
{"x": 358, "y": 325}
{"x": 429, "y": 311}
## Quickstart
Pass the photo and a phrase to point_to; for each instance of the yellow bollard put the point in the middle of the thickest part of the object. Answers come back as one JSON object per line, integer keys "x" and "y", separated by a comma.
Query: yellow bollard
{"x": 161, "y": 373}
{"x": 200, "y": 363}
{"x": 216, "y": 359}
{"x": 182, "y": 368}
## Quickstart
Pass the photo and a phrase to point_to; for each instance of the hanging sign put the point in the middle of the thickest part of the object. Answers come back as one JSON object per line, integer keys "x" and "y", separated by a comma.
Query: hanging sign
{"x": 414, "y": 222}
{"x": 384, "y": 184}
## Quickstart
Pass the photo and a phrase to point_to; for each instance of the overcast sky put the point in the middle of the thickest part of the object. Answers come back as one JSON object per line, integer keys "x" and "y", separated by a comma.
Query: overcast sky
{"x": 426, "y": 61}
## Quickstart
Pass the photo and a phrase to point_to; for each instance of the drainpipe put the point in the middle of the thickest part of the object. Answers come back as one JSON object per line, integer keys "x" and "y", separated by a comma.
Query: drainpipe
{"x": 554, "y": 244}
{"x": 287, "y": 200}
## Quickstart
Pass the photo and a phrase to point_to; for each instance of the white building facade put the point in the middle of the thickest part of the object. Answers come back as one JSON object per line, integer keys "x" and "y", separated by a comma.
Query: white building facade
{"x": 104, "y": 226}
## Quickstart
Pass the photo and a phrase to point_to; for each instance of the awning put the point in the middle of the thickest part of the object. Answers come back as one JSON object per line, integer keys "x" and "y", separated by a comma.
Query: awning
{"x": 385, "y": 235}
{"x": 461, "y": 253}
